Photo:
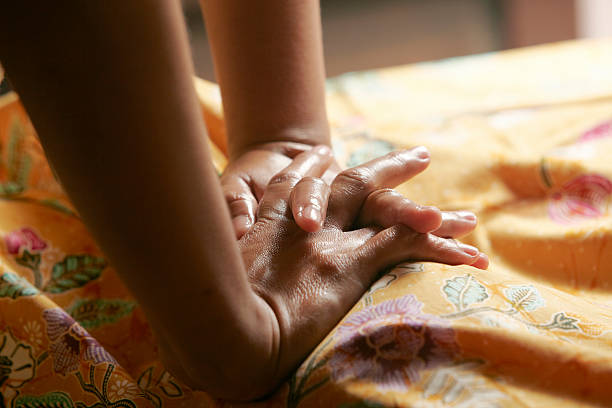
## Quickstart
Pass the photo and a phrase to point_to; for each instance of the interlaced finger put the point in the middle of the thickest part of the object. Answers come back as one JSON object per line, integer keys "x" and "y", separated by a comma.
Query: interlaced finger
{"x": 399, "y": 244}
{"x": 275, "y": 200}
{"x": 309, "y": 203}
{"x": 241, "y": 202}
{"x": 386, "y": 207}
{"x": 352, "y": 186}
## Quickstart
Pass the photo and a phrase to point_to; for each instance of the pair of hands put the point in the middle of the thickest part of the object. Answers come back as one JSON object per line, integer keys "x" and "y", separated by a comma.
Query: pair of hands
{"x": 246, "y": 178}
{"x": 312, "y": 249}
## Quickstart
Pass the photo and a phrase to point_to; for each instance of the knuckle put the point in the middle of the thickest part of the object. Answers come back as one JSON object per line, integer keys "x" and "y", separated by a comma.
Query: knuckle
{"x": 397, "y": 156}
{"x": 383, "y": 193}
{"x": 316, "y": 181}
{"x": 273, "y": 212}
{"x": 419, "y": 240}
{"x": 406, "y": 236}
{"x": 357, "y": 177}
{"x": 232, "y": 197}
{"x": 391, "y": 233}
{"x": 286, "y": 177}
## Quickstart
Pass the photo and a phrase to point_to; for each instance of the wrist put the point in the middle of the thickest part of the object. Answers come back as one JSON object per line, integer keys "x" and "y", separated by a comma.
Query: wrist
{"x": 289, "y": 142}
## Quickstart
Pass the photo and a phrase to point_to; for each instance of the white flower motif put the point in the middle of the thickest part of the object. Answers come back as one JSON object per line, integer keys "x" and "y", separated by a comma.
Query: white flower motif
{"x": 17, "y": 366}
{"x": 524, "y": 297}
{"x": 122, "y": 389}
{"x": 33, "y": 332}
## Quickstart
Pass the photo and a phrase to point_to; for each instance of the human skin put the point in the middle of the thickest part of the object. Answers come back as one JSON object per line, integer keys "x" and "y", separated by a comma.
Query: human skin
{"x": 108, "y": 86}
{"x": 268, "y": 59}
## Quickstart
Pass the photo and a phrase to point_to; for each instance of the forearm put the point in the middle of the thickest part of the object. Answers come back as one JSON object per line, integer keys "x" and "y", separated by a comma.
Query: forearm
{"x": 269, "y": 63}
{"x": 108, "y": 87}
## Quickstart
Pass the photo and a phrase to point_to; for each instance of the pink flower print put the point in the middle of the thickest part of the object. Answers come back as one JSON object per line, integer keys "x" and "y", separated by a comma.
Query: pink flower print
{"x": 586, "y": 196}
{"x": 68, "y": 340}
{"x": 390, "y": 344}
{"x": 598, "y": 132}
{"x": 36, "y": 244}
{"x": 14, "y": 241}
{"x": 23, "y": 238}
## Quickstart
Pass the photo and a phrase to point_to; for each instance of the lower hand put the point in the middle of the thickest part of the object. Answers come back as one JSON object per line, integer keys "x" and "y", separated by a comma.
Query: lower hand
{"x": 308, "y": 281}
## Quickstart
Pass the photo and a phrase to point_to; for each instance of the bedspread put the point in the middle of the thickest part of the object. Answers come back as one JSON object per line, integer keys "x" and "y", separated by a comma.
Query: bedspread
{"x": 522, "y": 138}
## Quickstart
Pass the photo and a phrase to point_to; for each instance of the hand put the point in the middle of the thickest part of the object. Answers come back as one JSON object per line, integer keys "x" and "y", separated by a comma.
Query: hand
{"x": 245, "y": 179}
{"x": 384, "y": 207}
{"x": 308, "y": 281}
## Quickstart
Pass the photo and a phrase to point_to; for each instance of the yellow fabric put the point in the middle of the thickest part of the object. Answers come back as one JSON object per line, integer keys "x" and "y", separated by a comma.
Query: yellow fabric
{"x": 523, "y": 138}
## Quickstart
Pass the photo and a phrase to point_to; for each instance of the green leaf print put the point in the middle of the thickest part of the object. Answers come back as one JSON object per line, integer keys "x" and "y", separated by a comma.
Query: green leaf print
{"x": 92, "y": 313}
{"x": 29, "y": 260}
{"x": 18, "y": 163}
{"x": 73, "y": 272}
{"x": 14, "y": 286}
{"x": 56, "y": 399}
{"x": 462, "y": 291}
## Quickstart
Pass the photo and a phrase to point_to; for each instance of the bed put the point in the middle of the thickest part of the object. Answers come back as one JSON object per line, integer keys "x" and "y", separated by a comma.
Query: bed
{"x": 523, "y": 138}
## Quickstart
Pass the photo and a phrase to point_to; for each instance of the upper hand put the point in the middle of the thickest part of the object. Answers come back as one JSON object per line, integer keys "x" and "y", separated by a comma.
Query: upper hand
{"x": 246, "y": 178}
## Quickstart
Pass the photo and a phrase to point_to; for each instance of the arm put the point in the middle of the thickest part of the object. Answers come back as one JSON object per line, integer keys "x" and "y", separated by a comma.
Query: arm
{"x": 269, "y": 63}
{"x": 108, "y": 87}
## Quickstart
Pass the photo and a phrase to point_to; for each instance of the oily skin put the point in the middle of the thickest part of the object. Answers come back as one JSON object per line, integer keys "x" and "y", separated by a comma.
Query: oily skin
{"x": 108, "y": 86}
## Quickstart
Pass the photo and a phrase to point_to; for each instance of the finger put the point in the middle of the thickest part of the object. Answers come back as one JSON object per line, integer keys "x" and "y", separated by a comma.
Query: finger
{"x": 482, "y": 261}
{"x": 309, "y": 203}
{"x": 275, "y": 200}
{"x": 399, "y": 244}
{"x": 456, "y": 224}
{"x": 351, "y": 187}
{"x": 241, "y": 202}
{"x": 387, "y": 207}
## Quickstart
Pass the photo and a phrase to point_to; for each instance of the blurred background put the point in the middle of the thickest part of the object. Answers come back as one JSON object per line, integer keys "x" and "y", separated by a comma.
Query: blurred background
{"x": 366, "y": 34}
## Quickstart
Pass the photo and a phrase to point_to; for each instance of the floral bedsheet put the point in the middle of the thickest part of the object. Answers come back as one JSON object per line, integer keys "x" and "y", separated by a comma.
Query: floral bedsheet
{"x": 523, "y": 138}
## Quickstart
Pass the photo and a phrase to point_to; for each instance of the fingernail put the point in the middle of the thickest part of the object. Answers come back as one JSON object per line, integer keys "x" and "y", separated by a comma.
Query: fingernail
{"x": 467, "y": 215}
{"x": 484, "y": 257}
{"x": 421, "y": 152}
{"x": 312, "y": 213}
{"x": 323, "y": 150}
{"x": 468, "y": 249}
